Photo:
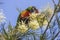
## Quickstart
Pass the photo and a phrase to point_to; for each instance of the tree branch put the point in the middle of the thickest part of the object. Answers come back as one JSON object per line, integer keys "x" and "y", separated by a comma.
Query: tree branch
{"x": 58, "y": 21}
{"x": 54, "y": 2}
{"x": 55, "y": 36}
{"x": 55, "y": 11}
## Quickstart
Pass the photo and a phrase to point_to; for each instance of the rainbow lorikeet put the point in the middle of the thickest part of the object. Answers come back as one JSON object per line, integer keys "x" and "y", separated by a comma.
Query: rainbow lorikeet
{"x": 25, "y": 14}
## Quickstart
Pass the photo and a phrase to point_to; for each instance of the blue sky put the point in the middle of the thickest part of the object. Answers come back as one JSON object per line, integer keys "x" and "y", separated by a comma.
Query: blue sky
{"x": 10, "y": 6}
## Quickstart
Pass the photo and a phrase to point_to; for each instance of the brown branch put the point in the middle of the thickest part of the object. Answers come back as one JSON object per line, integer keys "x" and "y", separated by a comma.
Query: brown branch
{"x": 48, "y": 23}
{"x": 50, "y": 19}
{"x": 58, "y": 23}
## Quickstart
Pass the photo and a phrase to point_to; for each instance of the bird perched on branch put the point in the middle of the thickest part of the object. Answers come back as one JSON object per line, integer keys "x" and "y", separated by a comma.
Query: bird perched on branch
{"x": 24, "y": 15}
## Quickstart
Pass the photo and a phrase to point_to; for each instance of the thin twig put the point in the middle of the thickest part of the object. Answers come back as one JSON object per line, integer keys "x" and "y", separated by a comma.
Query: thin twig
{"x": 49, "y": 22}
{"x": 55, "y": 36}
{"x": 54, "y": 2}
{"x": 50, "y": 19}
{"x": 58, "y": 21}
{"x": 59, "y": 2}
{"x": 18, "y": 10}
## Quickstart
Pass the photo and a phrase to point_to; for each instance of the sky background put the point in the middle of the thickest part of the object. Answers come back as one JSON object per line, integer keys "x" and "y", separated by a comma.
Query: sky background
{"x": 9, "y": 7}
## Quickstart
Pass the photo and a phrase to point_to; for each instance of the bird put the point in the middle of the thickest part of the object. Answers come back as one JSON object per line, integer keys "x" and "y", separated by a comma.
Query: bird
{"x": 29, "y": 10}
{"x": 24, "y": 15}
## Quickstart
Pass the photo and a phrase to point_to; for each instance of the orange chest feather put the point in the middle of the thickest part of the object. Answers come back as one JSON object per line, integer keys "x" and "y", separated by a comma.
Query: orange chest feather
{"x": 25, "y": 13}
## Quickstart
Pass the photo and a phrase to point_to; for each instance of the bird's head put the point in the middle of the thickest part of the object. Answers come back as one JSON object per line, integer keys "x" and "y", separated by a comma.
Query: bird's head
{"x": 32, "y": 9}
